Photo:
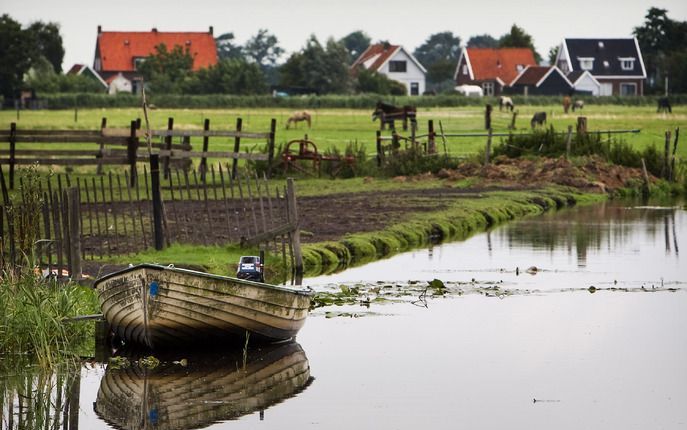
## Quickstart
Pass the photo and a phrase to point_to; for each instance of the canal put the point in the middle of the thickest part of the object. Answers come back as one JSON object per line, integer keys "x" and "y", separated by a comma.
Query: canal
{"x": 568, "y": 320}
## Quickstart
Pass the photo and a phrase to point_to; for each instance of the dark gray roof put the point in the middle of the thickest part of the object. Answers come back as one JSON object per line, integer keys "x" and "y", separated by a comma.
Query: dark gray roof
{"x": 606, "y": 54}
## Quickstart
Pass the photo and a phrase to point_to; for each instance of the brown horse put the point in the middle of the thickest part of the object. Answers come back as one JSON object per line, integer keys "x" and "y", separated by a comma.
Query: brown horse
{"x": 298, "y": 117}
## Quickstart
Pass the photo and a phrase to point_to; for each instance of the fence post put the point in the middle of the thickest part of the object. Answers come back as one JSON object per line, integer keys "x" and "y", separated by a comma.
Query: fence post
{"x": 13, "y": 147}
{"x": 666, "y": 157}
{"x": 487, "y": 117}
{"x": 672, "y": 161}
{"x": 380, "y": 154}
{"x": 237, "y": 145}
{"x": 512, "y": 121}
{"x": 293, "y": 215}
{"x": 487, "y": 152}
{"x": 7, "y": 205}
{"x": 132, "y": 147}
{"x": 74, "y": 232}
{"x": 582, "y": 125}
{"x": 101, "y": 153}
{"x": 168, "y": 146}
{"x": 270, "y": 147}
{"x": 206, "y": 143}
{"x": 158, "y": 234}
{"x": 431, "y": 137}
{"x": 568, "y": 141}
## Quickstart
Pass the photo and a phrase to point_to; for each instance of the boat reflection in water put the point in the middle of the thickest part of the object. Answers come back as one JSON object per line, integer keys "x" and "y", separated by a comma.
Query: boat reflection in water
{"x": 207, "y": 389}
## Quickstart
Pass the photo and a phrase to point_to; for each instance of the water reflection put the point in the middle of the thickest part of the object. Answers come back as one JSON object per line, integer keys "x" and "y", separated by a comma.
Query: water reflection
{"x": 201, "y": 390}
{"x": 595, "y": 228}
{"x": 39, "y": 400}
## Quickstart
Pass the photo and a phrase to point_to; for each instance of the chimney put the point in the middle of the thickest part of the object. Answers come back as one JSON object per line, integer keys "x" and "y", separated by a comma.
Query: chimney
{"x": 100, "y": 29}
{"x": 154, "y": 30}
{"x": 211, "y": 30}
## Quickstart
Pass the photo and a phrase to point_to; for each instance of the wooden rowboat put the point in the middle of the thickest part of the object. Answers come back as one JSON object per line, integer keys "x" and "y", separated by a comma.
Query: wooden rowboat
{"x": 207, "y": 390}
{"x": 163, "y": 306}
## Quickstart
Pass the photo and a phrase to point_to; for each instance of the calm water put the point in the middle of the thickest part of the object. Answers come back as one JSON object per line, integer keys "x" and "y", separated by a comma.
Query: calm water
{"x": 608, "y": 360}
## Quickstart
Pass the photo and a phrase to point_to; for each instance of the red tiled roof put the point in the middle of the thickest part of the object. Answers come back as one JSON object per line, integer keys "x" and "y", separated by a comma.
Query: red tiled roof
{"x": 491, "y": 63}
{"x": 76, "y": 68}
{"x": 382, "y": 51}
{"x": 118, "y": 49}
{"x": 532, "y": 75}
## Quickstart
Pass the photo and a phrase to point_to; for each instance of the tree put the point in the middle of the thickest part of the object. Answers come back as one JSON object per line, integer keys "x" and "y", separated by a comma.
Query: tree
{"x": 166, "y": 71}
{"x": 324, "y": 70}
{"x": 663, "y": 42}
{"x": 47, "y": 43}
{"x": 482, "y": 41}
{"x": 226, "y": 48}
{"x": 233, "y": 76}
{"x": 368, "y": 81}
{"x": 355, "y": 43}
{"x": 439, "y": 54}
{"x": 263, "y": 48}
{"x": 553, "y": 53}
{"x": 15, "y": 61}
{"x": 518, "y": 38}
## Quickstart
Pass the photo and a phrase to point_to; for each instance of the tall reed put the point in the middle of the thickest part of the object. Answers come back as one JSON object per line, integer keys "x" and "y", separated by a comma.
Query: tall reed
{"x": 33, "y": 314}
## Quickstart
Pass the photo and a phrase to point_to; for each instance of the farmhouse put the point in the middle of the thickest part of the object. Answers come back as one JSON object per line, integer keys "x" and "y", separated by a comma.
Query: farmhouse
{"x": 490, "y": 68}
{"x": 119, "y": 53}
{"x": 584, "y": 82}
{"x": 84, "y": 70}
{"x": 541, "y": 80}
{"x": 615, "y": 63}
{"x": 396, "y": 63}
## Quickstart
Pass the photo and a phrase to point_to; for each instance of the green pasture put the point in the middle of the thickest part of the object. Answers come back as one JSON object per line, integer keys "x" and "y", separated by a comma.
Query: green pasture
{"x": 336, "y": 128}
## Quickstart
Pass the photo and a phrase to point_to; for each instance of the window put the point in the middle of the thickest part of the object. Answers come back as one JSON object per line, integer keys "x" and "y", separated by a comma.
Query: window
{"x": 414, "y": 89}
{"x": 488, "y": 88}
{"x": 465, "y": 69}
{"x": 397, "y": 66}
{"x": 586, "y": 63}
{"x": 628, "y": 89}
{"x": 627, "y": 63}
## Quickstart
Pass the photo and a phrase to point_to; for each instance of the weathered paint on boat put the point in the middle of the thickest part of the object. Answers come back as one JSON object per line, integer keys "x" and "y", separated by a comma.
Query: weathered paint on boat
{"x": 207, "y": 390}
{"x": 162, "y": 306}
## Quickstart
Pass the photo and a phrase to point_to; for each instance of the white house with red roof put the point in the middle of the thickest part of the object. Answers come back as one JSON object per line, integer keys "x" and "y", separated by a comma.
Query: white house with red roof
{"x": 492, "y": 68}
{"x": 396, "y": 63}
{"x": 119, "y": 53}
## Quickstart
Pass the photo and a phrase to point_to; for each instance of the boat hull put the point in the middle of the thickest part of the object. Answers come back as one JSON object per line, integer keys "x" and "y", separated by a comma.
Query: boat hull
{"x": 159, "y": 306}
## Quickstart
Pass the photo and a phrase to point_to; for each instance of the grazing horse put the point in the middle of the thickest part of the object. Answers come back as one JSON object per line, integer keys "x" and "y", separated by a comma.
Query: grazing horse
{"x": 567, "y": 101}
{"x": 579, "y": 104}
{"x": 538, "y": 118}
{"x": 387, "y": 114}
{"x": 507, "y": 102}
{"x": 664, "y": 105}
{"x": 298, "y": 117}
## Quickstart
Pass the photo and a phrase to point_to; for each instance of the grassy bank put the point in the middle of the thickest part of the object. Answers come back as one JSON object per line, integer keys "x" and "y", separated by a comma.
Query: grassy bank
{"x": 464, "y": 218}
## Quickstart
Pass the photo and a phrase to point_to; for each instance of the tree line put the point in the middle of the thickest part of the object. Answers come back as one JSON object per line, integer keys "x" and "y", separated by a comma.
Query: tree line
{"x": 31, "y": 57}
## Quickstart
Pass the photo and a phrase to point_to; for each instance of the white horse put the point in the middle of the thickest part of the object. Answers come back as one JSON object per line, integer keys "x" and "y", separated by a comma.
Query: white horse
{"x": 507, "y": 102}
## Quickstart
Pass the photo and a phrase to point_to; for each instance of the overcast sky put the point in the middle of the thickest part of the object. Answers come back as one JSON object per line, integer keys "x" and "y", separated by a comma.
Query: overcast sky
{"x": 403, "y": 22}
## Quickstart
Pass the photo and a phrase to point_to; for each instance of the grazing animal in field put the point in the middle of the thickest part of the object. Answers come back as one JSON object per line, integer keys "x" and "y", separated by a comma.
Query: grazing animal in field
{"x": 507, "y": 102}
{"x": 579, "y": 104}
{"x": 298, "y": 117}
{"x": 664, "y": 105}
{"x": 387, "y": 114}
{"x": 538, "y": 118}
{"x": 567, "y": 101}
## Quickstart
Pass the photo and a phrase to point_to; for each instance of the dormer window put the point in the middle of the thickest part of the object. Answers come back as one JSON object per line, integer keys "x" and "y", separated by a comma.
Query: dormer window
{"x": 627, "y": 63}
{"x": 397, "y": 66}
{"x": 586, "y": 63}
{"x": 138, "y": 61}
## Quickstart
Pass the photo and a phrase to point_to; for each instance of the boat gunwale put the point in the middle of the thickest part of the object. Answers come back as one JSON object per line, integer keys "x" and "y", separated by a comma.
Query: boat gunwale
{"x": 300, "y": 291}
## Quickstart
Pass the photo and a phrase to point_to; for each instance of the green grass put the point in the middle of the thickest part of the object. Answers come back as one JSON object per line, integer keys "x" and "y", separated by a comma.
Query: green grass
{"x": 336, "y": 128}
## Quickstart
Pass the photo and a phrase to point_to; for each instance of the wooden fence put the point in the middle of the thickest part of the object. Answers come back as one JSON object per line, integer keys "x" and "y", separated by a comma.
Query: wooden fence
{"x": 91, "y": 218}
{"x": 126, "y": 146}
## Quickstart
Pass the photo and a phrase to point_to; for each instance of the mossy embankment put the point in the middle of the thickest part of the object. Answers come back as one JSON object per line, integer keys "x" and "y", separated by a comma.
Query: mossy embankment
{"x": 458, "y": 221}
